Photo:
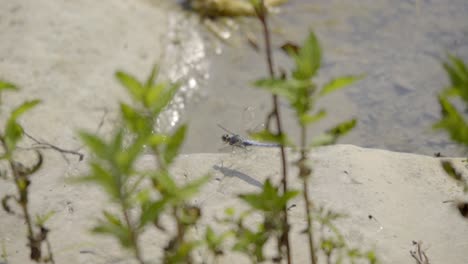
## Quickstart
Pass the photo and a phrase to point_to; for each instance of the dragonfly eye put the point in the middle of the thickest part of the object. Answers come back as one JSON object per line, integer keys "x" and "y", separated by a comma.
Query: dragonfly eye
{"x": 225, "y": 138}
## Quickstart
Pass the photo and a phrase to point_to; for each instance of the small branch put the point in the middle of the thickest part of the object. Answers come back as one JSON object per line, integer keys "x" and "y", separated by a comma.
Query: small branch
{"x": 418, "y": 254}
{"x": 46, "y": 145}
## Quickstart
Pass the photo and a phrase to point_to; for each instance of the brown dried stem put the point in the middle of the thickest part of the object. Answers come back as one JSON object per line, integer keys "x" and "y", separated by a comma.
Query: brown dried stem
{"x": 262, "y": 14}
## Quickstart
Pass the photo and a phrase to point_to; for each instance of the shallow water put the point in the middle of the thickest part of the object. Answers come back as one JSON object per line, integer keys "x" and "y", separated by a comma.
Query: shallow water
{"x": 398, "y": 45}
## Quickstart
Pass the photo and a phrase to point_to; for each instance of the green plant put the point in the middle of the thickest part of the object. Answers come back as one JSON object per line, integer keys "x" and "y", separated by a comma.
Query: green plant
{"x": 301, "y": 93}
{"x": 20, "y": 175}
{"x": 113, "y": 168}
{"x": 270, "y": 203}
{"x": 453, "y": 121}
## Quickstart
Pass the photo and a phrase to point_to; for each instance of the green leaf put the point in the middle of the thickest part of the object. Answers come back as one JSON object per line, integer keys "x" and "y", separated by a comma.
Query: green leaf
{"x": 143, "y": 195}
{"x": 297, "y": 92}
{"x": 164, "y": 183}
{"x": 452, "y": 122}
{"x": 286, "y": 88}
{"x": 175, "y": 194}
{"x": 116, "y": 143}
{"x": 13, "y": 131}
{"x": 164, "y": 99}
{"x": 332, "y": 135}
{"x": 41, "y": 219}
{"x": 192, "y": 188}
{"x": 308, "y": 59}
{"x": 252, "y": 243}
{"x": 447, "y": 109}
{"x": 152, "y": 77}
{"x": 133, "y": 188}
{"x": 24, "y": 107}
{"x": 290, "y": 48}
{"x": 125, "y": 158}
{"x": 454, "y": 174}
{"x": 458, "y": 74}
{"x": 157, "y": 139}
{"x": 371, "y": 257}
{"x": 270, "y": 199}
{"x": 111, "y": 218}
{"x": 450, "y": 170}
{"x": 307, "y": 119}
{"x": 134, "y": 120}
{"x": 451, "y": 91}
{"x": 153, "y": 94}
{"x": 456, "y": 70}
{"x": 342, "y": 128}
{"x": 210, "y": 236}
{"x": 229, "y": 211}
{"x": 150, "y": 211}
{"x": 7, "y": 86}
{"x": 133, "y": 86}
{"x": 327, "y": 245}
{"x": 181, "y": 253}
{"x": 255, "y": 3}
{"x": 100, "y": 176}
{"x": 97, "y": 146}
{"x": 113, "y": 226}
{"x": 214, "y": 241}
{"x": 339, "y": 83}
{"x": 258, "y": 6}
{"x": 174, "y": 144}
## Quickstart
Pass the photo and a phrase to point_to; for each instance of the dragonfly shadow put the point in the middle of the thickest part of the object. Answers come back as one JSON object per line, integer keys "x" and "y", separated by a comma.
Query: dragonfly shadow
{"x": 235, "y": 173}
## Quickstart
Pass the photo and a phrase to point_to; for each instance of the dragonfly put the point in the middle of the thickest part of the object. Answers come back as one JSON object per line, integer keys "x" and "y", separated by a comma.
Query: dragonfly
{"x": 236, "y": 140}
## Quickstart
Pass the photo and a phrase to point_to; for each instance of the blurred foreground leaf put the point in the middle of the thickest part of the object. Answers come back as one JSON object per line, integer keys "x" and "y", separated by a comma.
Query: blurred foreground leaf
{"x": 339, "y": 83}
{"x": 452, "y": 120}
{"x": 14, "y": 131}
{"x": 270, "y": 199}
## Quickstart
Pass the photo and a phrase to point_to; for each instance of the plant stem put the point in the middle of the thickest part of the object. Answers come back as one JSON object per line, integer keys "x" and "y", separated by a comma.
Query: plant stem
{"x": 132, "y": 233}
{"x": 22, "y": 184}
{"x": 262, "y": 15}
{"x": 309, "y": 224}
{"x": 49, "y": 249}
{"x": 23, "y": 202}
{"x": 305, "y": 192}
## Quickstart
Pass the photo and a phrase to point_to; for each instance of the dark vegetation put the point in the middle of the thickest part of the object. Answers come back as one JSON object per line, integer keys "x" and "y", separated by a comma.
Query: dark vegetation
{"x": 453, "y": 122}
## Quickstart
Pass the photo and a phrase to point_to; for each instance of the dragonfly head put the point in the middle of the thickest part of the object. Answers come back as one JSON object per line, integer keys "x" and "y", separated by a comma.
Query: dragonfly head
{"x": 225, "y": 138}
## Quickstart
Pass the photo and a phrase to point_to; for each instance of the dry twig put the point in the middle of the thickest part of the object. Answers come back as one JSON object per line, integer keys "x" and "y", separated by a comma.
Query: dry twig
{"x": 418, "y": 254}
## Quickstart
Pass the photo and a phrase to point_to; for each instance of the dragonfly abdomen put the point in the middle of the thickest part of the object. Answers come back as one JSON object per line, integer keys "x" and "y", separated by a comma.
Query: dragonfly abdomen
{"x": 247, "y": 142}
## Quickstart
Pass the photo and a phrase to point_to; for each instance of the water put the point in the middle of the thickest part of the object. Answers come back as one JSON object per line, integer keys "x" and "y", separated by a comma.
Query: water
{"x": 398, "y": 45}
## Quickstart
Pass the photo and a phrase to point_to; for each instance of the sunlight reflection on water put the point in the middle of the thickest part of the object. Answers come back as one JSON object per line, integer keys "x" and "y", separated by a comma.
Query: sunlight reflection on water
{"x": 185, "y": 63}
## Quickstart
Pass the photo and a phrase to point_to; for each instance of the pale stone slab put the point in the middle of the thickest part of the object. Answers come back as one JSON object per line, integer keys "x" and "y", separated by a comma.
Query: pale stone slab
{"x": 403, "y": 192}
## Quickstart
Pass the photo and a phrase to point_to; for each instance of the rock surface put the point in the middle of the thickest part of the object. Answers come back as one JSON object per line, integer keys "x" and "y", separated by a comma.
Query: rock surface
{"x": 404, "y": 193}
